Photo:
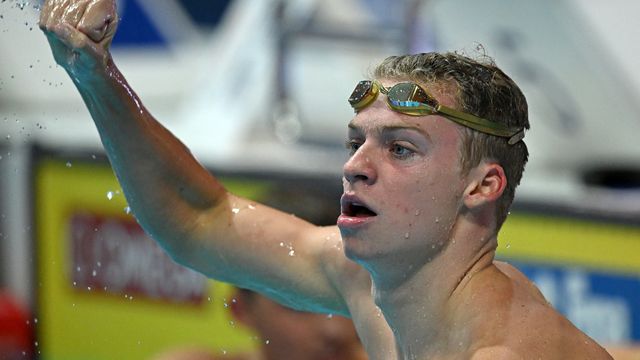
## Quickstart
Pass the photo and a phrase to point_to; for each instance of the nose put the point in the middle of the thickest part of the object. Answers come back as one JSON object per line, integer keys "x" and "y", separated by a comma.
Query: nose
{"x": 360, "y": 167}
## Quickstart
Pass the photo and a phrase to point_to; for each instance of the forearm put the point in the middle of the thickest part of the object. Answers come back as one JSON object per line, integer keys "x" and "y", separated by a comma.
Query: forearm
{"x": 164, "y": 184}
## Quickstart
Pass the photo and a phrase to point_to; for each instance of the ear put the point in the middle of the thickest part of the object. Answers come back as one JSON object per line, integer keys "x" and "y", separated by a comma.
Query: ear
{"x": 487, "y": 183}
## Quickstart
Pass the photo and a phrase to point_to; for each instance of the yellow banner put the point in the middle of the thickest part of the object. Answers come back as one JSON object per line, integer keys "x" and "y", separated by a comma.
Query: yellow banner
{"x": 599, "y": 245}
{"x": 103, "y": 293}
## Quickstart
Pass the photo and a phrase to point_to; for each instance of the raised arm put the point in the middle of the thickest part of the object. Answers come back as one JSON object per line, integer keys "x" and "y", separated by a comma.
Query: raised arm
{"x": 177, "y": 201}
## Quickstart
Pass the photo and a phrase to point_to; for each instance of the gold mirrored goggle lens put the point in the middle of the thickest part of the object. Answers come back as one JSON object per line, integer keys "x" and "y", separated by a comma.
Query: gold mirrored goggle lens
{"x": 364, "y": 94}
{"x": 411, "y": 99}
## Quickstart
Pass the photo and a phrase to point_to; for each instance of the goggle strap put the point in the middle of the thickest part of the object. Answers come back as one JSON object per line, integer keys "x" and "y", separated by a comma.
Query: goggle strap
{"x": 479, "y": 123}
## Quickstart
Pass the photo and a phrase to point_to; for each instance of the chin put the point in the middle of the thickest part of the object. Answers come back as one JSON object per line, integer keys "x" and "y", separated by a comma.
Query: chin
{"x": 353, "y": 247}
{"x": 360, "y": 250}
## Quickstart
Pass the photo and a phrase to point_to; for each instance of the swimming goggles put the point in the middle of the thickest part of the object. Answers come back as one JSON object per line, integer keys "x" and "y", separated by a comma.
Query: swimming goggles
{"x": 411, "y": 99}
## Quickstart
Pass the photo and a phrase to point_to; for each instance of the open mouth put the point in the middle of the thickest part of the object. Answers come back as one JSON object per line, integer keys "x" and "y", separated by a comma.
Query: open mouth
{"x": 356, "y": 209}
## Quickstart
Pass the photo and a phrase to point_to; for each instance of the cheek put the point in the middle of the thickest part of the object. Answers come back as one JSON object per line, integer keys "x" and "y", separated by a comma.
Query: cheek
{"x": 415, "y": 191}
{"x": 430, "y": 196}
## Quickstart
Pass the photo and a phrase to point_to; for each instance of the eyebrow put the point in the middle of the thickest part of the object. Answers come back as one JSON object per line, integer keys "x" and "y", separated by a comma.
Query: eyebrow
{"x": 392, "y": 128}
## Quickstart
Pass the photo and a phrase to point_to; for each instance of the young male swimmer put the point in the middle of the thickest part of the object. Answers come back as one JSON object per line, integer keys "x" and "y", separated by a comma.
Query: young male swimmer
{"x": 437, "y": 151}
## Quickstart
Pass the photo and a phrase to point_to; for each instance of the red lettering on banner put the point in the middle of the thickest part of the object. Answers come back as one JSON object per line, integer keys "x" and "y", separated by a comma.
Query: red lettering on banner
{"x": 114, "y": 255}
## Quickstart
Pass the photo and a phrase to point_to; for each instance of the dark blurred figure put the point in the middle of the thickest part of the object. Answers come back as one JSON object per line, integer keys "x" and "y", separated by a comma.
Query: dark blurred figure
{"x": 291, "y": 334}
{"x": 284, "y": 334}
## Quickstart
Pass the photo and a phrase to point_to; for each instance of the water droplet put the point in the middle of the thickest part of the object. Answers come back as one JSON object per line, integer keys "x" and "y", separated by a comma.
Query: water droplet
{"x": 267, "y": 342}
{"x": 35, "y": 320}
{"x": 329, "y": 316}
{"x": 508, "y": 246}
{"x": 69, "y": 164}
{"x": 235, "y": 210}
{"x": 418, "y": 212}
{"x": 437, "y": 220}
{"x": 78, "y": 269}
{"x": 127, "y": 210}
{"x": 75, "y": 283}
{"x": 94, "y": 273}
{"x": 89, "y": 288}
{"x": 109, "y": 195}
{"x": 252, "y": 207}
{"x": 406, "y": 235}
{"x": 292, "y": 253}
{"x": 281, "y": 244}
{"x": 99, "y": 264}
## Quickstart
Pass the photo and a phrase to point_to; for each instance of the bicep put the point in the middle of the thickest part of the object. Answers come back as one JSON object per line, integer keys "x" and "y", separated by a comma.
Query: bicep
{"x": 254, "y": 246}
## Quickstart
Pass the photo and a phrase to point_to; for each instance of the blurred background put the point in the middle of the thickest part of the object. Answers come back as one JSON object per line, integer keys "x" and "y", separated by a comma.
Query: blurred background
{"x": 257, "y": 90}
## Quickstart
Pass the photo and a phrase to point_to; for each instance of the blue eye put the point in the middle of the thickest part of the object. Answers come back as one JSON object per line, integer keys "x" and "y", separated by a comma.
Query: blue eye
{"x": 400, "y": 151}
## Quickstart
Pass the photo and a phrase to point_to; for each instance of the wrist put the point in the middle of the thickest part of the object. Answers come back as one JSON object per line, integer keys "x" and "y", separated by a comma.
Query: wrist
{"x": 88, "y": 75}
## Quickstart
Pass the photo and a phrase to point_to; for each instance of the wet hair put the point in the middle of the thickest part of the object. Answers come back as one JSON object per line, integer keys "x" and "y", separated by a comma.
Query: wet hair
{"x": 481, "y": 89}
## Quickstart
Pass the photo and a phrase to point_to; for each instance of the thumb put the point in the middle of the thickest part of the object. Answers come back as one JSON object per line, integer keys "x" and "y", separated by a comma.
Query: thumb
{"x": 100, "y": 20}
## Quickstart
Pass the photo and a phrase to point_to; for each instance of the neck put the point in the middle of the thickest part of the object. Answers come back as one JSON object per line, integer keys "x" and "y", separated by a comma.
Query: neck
{"x": 417, "y": 303}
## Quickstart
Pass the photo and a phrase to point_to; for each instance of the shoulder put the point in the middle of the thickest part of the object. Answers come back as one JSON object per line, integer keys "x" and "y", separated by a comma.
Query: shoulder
{"x": 522, "y": 324}
{"x": 518, "y": 278}
{"x": 495, "y": 353}
{"x": 588, "y": 352}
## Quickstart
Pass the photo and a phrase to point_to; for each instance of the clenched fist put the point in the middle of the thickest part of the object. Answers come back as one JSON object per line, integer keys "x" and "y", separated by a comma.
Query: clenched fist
{"x": 79, "y": 33}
